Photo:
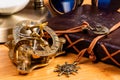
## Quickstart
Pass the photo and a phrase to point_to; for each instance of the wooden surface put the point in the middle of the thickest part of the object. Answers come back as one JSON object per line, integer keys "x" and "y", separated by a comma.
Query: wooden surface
{"x": 87, "y": 71}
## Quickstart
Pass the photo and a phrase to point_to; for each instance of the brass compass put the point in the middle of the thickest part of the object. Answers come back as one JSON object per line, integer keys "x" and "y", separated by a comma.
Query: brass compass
{"x": 33, "y": 45}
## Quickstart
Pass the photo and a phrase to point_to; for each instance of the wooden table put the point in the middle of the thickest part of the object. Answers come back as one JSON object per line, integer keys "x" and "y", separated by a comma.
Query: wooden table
{"x": 87, "y": 71}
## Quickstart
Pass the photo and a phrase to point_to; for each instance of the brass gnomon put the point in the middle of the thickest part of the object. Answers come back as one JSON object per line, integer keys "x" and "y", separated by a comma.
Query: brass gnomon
{"x": 33, "y": 45}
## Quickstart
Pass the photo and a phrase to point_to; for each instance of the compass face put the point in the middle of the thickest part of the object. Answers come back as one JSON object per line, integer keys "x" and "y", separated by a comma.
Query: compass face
{"x": 41, "y": 47}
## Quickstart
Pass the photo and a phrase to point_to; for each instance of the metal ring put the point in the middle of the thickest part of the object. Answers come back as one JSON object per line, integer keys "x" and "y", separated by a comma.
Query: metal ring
{"x": 57, "y": 7}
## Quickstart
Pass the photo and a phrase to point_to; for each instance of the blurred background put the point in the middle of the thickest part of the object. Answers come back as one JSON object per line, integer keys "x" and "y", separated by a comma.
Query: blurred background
{"x": 35, "y": 10}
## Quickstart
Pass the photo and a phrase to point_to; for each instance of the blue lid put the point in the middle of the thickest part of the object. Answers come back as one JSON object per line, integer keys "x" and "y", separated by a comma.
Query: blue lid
{"x": 63, "y": 6}
{"x": 104, "y": 4}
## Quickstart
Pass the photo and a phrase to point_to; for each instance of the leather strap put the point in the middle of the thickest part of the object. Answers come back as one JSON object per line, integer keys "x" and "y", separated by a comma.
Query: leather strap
{"x": 93, "y": 43}
{"x": 83, "y": 26}
{"x": 89, "y": 50}
{"x": 110, "y": 55}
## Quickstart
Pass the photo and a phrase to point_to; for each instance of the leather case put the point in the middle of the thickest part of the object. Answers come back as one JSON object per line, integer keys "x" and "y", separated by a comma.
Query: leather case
{"x": 106, "y": 49}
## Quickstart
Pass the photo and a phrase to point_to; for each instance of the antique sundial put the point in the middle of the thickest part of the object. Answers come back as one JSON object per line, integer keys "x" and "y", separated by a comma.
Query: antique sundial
{"x": 33, "y": 45}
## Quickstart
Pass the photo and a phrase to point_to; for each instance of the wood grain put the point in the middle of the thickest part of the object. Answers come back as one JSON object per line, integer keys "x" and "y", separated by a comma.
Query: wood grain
{"x": 87, "y": 71}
